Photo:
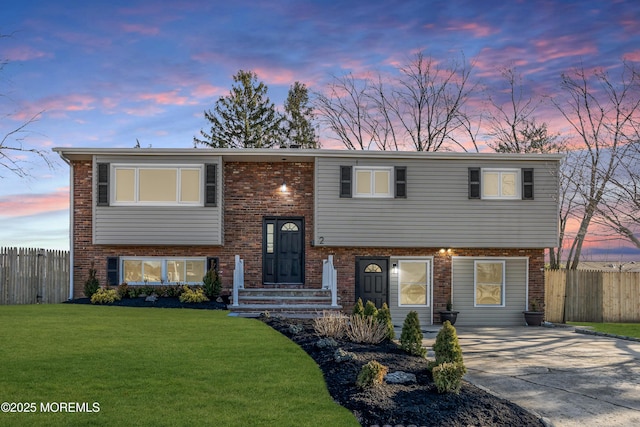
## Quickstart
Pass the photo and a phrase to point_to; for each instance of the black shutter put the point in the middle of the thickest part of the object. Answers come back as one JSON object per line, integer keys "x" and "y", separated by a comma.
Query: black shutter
{"x": 527, "y": 184}
{"x": 474, "y": 183}
{"x": 211, "y": 184}
{"x": 345, "y": 181}
{"x": 401, "y": 181}
{"x": 103, "y": 184}
{"x": 113, "y": 271}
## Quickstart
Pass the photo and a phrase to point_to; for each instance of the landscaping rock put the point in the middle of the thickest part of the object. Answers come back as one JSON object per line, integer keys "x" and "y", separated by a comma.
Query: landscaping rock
{"x": 151, "y": 298}
{"x": 400, "y": 377}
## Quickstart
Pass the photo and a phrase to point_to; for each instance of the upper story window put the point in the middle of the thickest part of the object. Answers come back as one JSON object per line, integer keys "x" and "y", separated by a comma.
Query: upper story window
{"x": 156, "y": 185}
{"x": 500, "y": 184}
{"x": 373, "y": 181}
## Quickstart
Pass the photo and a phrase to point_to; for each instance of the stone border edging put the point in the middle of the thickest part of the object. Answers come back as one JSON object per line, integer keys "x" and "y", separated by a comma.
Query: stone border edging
{"x": 579, "y": 330}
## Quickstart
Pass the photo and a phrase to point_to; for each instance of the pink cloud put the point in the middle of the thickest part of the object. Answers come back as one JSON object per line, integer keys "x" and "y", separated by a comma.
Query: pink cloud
{"x": 275, "y": 76}
{"x": 146, "y": 30}
{"x": 206, "y": 90}
{"x": 474, "y": 28}
{"x": 632, "y": 56}
{"x": 165, "y": 98}
{"x": 16, "y": 205}
{"x": 25, "y": 53}
{"x": 561, "y": 47}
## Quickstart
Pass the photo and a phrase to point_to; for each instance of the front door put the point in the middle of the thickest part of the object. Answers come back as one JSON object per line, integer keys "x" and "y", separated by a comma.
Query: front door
{"x": 372, "y": 280}
{"x": 283, "y": 250}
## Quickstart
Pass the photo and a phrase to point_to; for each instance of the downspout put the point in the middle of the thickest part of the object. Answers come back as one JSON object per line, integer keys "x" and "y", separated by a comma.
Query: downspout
{"x": 67, "y": 161}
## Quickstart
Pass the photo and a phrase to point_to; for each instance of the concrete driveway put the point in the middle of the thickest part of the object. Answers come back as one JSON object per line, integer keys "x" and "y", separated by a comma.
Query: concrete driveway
{"x": 569, "y": 379}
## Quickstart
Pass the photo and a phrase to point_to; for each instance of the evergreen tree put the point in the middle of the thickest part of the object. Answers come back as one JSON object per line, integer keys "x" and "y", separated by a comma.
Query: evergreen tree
{"x": 298, "y": 123}
{"x": 245, "y": 118}
{"x": 411, "y": 337}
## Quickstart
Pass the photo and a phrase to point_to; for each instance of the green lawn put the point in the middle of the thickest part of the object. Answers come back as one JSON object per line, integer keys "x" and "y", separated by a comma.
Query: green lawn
{"x": 622, "y": 329}
{"x": 157, "y": 367}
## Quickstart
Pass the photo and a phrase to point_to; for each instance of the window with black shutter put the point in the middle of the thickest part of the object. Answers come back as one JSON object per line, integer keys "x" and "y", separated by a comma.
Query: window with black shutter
{"x": 210, "y": 185}
{"x": 103, "y": 184}
{"x": 401, "y": 182}
{"x": 527, "y": 184}
{"x": 474, "y": 183}
{"x": 345, "y": 181}
{"x": 113, "y": 271}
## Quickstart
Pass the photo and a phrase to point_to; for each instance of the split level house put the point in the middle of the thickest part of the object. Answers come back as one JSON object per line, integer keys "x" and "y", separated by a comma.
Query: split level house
{"x": 319, "y": 229}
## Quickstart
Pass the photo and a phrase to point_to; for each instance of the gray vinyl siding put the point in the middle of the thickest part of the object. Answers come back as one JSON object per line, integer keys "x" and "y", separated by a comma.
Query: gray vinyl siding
{"x": 398, "y": 313}
{"x": 159, "y": 225}
{"x": 516, "y": 279}
{"x": 437, "y": 211}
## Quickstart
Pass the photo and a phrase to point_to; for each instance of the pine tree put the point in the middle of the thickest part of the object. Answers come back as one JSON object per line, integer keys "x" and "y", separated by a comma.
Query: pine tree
{"x": 298, "y": 123}
{"x": 245, "y": 118}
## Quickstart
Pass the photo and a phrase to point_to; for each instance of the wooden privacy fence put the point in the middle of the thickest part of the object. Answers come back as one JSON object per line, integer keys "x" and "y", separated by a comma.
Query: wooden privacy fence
{"x": 31, "y": 276}
{"x": 592, "y": 296}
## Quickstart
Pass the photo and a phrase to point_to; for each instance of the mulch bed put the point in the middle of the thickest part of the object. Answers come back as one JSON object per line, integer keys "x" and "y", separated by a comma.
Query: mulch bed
{"x": 397, "y": 404}
{"x": 163, "y": 302}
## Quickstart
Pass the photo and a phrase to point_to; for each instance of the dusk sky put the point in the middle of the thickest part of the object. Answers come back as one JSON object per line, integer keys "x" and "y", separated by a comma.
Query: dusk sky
{"x": 104, "y": 74}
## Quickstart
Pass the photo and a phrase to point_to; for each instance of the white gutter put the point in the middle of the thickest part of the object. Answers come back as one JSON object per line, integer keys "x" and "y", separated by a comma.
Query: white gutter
{"x": 67, "y": 161}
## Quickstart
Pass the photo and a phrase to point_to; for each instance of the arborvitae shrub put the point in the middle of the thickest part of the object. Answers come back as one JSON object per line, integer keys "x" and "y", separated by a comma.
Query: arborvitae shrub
{"x": 92, "y": 284}
{"x": 411, "y": 337}
{"x": 358, "y": 309}
{"x": 211, "y": 284}
{"x": 370, "y": 309}
{"x": 447, "y": 348}
{"x": 371, "y": 375}
{"x": 448, "y": 377}
{"x": 384, "y": 316}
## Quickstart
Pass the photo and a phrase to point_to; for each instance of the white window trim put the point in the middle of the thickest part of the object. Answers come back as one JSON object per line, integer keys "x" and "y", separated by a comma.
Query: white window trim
{"x": 373, "y": 195}
{"x": 137, "y": 167}
{"x": 163, "y": 262}
{"x": 504, "y": 282}
{"x": 429, "y": 289}
{"x": 518, "y": 184}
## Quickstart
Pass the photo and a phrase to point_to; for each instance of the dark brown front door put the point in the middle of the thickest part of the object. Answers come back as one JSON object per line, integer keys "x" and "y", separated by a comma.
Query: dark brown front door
{"x": 372, "y": 280}
{"x": 283, "y": 250}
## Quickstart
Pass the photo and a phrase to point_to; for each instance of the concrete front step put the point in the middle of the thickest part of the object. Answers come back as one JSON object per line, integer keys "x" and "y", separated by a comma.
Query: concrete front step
{"x": 287, "y": 310}
{"x": 253, "y": 301}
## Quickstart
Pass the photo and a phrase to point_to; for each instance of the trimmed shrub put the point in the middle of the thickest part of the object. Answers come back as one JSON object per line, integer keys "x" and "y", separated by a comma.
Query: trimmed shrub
{"x": 358, "y": 309}
{"x": 448, "y": 377}
{"x": 371, "y": 375}
{"x": 384, "y": 317}
{"x": 92, "y": 284}
{"x": 366, "y": 329}
{"x": 105, "y": 296}
{"x": 192, "y": 295}
{"x": 370, "y": 309}
{"x": 331, "y": 324}
{"x": 123, "y": 290}
{"x": 447, "y": 347}
{"x": 174, "y": 291}
{"x": 411, "y": 337}
{"x": 212, "y": 284}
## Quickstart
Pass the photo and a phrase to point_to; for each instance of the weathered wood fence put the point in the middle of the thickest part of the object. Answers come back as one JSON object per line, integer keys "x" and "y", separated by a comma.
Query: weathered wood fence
{"x": 592, "y": 296}
{"x": 33, "y": 276}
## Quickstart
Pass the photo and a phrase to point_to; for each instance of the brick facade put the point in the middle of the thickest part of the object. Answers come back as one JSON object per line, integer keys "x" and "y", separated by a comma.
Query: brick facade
{"x": 251, "y": 192}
